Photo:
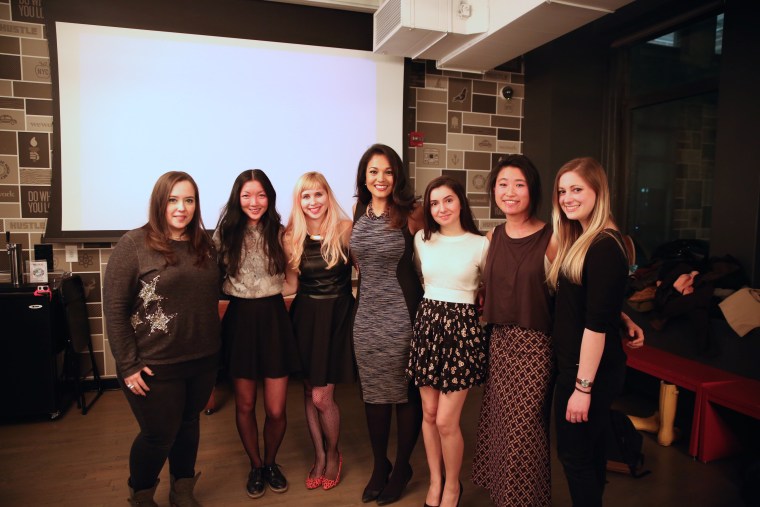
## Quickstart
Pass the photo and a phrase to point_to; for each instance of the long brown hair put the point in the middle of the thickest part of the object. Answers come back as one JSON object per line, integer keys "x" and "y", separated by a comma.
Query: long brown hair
{"x": 466, "y": 219}
{"x": 157, "y": 229}
{"x": 401, "y": 201}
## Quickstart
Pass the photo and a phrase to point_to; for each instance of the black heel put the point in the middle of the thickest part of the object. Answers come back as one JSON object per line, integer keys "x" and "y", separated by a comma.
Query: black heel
{"x": 439, "y": 500}
{"x": 372, "y": 491}
{"x": 395, "y": 487}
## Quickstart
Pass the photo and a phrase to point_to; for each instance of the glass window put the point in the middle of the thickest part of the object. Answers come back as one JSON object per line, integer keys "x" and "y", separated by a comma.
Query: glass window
{"x": 688, "y": 55}
{"x": 671, "y": 103}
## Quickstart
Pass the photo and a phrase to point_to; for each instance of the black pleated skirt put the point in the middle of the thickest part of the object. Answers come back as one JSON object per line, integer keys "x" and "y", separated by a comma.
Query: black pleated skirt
{"x": 258, "y": 339}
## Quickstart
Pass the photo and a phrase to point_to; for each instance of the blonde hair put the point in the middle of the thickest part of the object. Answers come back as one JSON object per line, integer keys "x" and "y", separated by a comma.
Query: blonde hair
{"x": 333, "y": 247}
{"x": 572, "y": 241}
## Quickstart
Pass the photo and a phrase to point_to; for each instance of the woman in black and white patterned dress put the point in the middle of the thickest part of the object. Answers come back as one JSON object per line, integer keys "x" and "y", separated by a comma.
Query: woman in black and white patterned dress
{"x": 389, "y": 292}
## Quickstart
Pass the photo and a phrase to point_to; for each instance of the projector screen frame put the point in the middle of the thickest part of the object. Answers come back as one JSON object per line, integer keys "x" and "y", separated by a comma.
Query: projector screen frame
{"x": 252, "y": 19}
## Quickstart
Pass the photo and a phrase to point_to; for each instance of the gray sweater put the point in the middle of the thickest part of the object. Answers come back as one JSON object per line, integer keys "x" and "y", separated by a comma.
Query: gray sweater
{"x": 157, "y": 314}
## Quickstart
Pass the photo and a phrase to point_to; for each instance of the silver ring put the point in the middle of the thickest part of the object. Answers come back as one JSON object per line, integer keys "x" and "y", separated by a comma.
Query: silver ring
{"x": 130, "y": 386}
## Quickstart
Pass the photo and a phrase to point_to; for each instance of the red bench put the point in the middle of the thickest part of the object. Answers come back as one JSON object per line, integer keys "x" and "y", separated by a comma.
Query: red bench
{"x": 684, "y": 373}
{"x": 716, "y": 437}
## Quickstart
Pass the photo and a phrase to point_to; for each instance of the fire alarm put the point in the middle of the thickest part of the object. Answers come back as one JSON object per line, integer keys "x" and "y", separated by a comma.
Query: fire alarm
{"x": 416, "y": 139}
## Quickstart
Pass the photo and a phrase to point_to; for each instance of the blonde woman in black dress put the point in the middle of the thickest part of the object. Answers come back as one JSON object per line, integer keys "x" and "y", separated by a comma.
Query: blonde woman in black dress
{"x": 316, "y": 244}
{"x": 389, "y": 292}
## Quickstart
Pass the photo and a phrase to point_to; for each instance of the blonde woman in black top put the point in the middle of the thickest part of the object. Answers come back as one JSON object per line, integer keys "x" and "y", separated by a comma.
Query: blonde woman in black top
{"x": 589, "y": 275}
{"x": 316, "y": 245}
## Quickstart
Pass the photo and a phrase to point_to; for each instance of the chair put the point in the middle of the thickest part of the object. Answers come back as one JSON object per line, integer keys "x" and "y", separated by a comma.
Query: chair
{"x": 78, "y": 339}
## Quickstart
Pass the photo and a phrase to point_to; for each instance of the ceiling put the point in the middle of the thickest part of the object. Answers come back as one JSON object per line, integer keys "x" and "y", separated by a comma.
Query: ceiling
{"x": 492, "y": 32}
{"x": 348, "y": 5}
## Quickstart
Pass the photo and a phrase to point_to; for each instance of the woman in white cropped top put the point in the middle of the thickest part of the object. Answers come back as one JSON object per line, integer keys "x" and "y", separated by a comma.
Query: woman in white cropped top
{"x": 448, "y": 353}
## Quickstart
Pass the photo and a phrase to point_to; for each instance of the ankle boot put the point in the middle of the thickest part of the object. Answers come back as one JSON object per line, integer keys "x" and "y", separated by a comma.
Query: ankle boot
{"x": 649, "y": 424}
{"x": 142, "y": 498}
{"x": 668, "y": 400}
{"x": 181, "y": 493}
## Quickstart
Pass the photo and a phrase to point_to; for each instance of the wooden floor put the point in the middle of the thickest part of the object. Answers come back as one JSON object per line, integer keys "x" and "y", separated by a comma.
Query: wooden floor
{"x": 81, "y": 460}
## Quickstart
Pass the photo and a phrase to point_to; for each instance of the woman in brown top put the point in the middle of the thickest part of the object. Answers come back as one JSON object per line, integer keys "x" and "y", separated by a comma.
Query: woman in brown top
{"x": 512, "y": 457}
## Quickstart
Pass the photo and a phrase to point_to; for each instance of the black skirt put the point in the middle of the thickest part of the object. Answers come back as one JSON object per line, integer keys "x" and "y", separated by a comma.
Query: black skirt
{"x": 449, "y": 349}
{"x": 258, "y": 339}
{"x": 322, "y": 327}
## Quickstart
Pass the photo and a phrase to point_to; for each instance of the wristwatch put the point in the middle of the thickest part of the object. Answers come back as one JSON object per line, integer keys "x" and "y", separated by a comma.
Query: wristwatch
{"x": 584, "y": 383}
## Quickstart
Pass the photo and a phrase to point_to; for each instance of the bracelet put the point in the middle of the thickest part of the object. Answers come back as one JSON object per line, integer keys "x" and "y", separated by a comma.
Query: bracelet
{"x": 581, "y": 390}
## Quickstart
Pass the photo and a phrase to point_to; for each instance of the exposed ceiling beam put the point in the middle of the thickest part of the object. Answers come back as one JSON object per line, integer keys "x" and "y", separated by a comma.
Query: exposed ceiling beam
{"x": 348, "y": 5}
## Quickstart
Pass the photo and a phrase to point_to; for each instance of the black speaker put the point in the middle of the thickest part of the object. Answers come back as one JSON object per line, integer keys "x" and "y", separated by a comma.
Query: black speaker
{"x": 31, "y": 353}
{"x": 44, "y": 253}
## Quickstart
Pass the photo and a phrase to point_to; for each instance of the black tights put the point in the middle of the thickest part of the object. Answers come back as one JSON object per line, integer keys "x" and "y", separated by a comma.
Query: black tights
{"x": 408, "y": 424}
{"x": 275, "y": 423}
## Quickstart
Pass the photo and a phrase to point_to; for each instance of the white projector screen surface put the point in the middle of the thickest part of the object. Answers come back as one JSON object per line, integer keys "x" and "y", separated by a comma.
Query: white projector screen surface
{"x": 137, "y": 103}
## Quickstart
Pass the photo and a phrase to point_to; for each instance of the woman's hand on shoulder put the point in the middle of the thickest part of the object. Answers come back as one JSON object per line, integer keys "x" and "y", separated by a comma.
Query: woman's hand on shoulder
{"x": 416, "y": 219}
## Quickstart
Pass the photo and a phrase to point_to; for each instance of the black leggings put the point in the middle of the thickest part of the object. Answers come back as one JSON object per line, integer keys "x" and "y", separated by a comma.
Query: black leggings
{"x": 169, "y": 424}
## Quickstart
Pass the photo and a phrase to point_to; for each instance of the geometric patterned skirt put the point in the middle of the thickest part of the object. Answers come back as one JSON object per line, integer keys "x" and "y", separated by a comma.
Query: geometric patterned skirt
{"x": 512, "y": 456}
{"x": 449, "y": 348}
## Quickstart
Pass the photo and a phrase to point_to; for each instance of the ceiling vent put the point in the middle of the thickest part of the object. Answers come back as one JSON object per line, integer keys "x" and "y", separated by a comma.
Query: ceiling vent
{"x": 427, "y": 29}
{"x": 478, "y": 35}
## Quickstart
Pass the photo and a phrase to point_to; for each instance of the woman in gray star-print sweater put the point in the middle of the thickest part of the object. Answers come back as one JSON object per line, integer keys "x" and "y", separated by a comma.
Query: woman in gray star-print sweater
{"x": 159, "y": 314}
{"x": 160, "y": 301}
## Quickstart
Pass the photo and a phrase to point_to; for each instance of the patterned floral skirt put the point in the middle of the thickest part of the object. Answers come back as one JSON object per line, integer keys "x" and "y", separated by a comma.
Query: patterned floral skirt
{"x": 449, "y": 347}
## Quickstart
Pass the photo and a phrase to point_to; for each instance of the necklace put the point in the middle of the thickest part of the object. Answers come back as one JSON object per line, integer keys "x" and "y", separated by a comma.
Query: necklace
{"x": 177, "y": 238}
{"x": 315, "y": 237}
{"x": 371, "y": 212}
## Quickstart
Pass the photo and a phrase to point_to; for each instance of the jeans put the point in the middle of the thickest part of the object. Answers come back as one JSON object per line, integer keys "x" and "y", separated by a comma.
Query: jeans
{"x": 169, "y": 423}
